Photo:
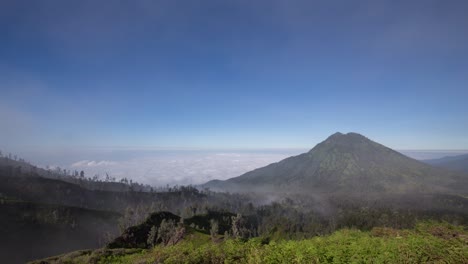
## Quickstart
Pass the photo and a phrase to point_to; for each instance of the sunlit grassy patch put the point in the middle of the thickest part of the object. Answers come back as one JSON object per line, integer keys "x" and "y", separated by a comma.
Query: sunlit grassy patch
{"x": 427, "y": 243}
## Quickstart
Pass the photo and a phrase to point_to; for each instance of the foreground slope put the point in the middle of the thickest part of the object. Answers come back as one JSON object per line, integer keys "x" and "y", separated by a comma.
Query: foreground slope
{"x": 349, "y": 163}
{"x": 426, "y": 243}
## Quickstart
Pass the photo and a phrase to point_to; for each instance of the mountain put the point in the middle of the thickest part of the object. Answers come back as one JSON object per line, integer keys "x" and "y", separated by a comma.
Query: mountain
{"x": 346, "y": 163}
{"x": 456, "y": 163}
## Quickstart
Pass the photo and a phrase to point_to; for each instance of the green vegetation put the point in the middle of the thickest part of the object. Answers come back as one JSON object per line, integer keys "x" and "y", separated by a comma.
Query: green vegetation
{"x": 428, "y": 242}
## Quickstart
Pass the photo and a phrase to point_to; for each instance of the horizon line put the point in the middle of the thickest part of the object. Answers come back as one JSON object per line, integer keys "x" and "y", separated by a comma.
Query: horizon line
{"x": 210, "y": 148}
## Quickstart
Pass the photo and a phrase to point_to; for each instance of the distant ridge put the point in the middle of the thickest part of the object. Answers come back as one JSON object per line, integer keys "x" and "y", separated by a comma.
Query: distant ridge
{"x": 349, "y": 163}
{"x": 455, "y": 163}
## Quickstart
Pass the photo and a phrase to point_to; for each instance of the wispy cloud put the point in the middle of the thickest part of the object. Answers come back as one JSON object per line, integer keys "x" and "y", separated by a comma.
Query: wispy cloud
{"x": 92, "y": 163}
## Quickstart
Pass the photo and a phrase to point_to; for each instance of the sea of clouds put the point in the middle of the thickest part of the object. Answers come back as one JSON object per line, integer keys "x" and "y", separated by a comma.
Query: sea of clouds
{"x": 162, "y": 167}
{"x": 182, "y": 167}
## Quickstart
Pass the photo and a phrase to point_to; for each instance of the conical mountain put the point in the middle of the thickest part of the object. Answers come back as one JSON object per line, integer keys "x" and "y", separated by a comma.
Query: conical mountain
{"x": 346, "y": 163}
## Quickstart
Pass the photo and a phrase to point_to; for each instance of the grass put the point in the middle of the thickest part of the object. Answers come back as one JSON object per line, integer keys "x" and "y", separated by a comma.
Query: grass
{"x": 428, "y": 242}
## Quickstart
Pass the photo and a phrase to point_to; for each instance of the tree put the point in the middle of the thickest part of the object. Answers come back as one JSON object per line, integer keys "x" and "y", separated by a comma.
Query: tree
{"x": 128, "y": 219}
{"x": 151, "y": 237}
{"x": 236, "y": 222}
{"x": 238, "y": 227}
{"x": 214, "y": 228}
{"x": 166, "y": 231}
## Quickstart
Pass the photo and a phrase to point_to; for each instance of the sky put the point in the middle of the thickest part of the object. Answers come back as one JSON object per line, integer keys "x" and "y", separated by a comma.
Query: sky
{"x": 243, "y": 75}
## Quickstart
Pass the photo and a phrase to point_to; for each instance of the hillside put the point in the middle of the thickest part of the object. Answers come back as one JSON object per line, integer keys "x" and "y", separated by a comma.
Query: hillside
{"x": 11, "y": 167}
{"x": 426, "y": 243}
{"x": 32, "y": 230}
{"x": 346, "y": 163}
{"x": 455, "y": 163}
{"x": 70, "y": 216}
{"x": 347, "y": 181}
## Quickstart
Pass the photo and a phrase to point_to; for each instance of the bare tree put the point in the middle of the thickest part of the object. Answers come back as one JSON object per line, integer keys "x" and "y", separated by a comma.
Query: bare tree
{"x": 151, "y": 241}
{"x": 214, "y": 228}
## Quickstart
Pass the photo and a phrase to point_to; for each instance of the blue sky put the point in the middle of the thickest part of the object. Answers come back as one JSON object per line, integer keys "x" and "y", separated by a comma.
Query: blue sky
{"x": 232, "y": 74}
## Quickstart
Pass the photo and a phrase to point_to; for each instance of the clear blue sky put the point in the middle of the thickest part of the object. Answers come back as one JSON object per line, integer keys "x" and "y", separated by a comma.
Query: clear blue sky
{"x": 232, "y": 74}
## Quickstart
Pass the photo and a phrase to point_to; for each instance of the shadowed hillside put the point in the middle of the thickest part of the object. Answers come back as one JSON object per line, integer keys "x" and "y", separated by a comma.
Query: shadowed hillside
{"x": 32, "y": 230}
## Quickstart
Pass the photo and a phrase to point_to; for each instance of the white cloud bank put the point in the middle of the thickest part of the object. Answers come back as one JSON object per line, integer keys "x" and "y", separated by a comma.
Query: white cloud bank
{"x": 191, "y": 168}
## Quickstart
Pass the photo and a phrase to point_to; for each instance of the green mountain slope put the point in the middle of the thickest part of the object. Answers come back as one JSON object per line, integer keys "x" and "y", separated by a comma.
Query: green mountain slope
{"x": 348, "y": 163}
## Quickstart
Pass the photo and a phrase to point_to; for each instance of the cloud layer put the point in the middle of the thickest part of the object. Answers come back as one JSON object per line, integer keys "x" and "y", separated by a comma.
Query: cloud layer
{"x": 183, "y": 168}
